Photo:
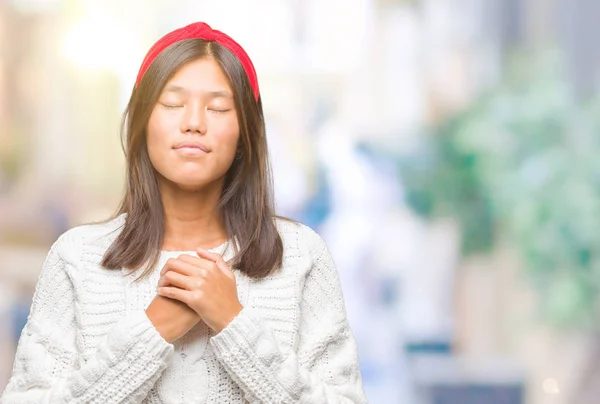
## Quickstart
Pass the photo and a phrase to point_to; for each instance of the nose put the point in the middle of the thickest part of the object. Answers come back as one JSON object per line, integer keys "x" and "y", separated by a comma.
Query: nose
{"x": 193, "y": 120}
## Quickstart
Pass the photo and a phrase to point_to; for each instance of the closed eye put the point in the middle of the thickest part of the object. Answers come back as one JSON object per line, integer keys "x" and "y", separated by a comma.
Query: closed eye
{"x": 219, "y": 111}
{"x": 171, "y": 106}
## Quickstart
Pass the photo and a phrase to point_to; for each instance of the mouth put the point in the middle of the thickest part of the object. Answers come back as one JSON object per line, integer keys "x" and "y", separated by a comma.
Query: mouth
{"x": 192, "y": 148}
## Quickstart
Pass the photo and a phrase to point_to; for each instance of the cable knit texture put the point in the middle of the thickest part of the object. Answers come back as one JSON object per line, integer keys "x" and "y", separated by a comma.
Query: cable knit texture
{"x": 88, "y": 340}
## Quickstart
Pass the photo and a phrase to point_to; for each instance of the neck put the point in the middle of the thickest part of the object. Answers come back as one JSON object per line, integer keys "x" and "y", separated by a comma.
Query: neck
{"x": 191, "y": 218}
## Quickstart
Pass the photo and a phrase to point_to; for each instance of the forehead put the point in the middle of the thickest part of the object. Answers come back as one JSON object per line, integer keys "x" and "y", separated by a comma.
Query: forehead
{"x": 199, "y": 76}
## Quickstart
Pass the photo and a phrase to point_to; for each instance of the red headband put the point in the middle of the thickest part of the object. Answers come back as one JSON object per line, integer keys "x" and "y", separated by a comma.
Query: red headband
{"x": 201, "y": 30}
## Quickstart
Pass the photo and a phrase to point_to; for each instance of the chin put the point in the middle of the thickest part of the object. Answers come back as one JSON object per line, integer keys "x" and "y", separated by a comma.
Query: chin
{"x": 192, "y": 184}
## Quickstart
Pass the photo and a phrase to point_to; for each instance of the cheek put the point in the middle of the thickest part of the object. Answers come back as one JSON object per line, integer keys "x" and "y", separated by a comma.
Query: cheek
{"x": 156, "y": 136}
{"x": 227, "y": 138}
{"x": 229, "y": 147}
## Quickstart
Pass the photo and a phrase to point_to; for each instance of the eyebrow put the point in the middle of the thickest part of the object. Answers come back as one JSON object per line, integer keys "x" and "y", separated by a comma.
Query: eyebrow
{"x": 173, "y": 88}
{"x": 219, "y": 94}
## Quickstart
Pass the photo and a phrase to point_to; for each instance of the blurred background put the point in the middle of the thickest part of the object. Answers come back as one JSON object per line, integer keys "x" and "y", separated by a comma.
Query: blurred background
{"x": 445, "y": 149}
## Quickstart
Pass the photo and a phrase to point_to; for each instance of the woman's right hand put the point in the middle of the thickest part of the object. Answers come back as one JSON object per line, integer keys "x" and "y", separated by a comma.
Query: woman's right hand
{"x": 171, "y": 318}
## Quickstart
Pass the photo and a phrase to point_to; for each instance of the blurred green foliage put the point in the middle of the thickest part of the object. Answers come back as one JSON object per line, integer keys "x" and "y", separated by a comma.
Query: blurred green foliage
{"x": 522, "y": 164}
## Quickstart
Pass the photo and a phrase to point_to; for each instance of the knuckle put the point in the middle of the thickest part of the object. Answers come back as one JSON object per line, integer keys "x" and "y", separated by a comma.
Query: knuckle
{"x": 174, "y": 263}
{"x": 184, "y": 258}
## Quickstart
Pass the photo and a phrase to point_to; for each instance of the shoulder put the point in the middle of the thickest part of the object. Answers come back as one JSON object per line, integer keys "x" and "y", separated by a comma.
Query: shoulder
{"x": 96, "y": 236}
{"x": 296, "y": 235}
{"x": 306, "y": 251}
{"x": 55, "y": 280}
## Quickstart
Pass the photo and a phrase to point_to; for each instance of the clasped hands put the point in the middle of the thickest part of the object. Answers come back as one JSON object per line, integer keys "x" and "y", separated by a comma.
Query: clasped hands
{"x": 193, "y": 289}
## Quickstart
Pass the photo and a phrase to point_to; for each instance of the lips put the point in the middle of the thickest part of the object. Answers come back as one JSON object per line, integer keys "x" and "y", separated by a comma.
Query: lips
{"x": 192, "y": 146}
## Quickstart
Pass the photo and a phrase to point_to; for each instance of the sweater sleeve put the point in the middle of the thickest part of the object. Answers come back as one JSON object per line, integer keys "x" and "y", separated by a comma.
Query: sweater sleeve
{"x": 324, "y": 369}
{"x": 49, "y": 366}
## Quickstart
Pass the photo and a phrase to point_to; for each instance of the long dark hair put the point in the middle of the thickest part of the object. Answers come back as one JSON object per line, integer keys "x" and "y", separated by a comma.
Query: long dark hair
{"x": 246, "y": 206}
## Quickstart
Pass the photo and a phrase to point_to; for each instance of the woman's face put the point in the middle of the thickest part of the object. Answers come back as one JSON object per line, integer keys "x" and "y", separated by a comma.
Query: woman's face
{"x": 193, "y": 131}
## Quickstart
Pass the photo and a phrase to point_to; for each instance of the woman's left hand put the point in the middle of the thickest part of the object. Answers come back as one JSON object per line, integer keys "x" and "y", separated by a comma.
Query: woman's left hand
{"x": 206, "y": 284}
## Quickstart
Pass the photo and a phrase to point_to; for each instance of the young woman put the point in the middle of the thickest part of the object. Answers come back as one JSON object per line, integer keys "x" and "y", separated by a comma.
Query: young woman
{"x": 195, "y": 292}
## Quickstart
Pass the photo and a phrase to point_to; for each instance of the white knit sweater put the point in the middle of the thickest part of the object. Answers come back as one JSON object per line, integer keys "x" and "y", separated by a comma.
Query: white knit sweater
{"x": 88, "y": 340}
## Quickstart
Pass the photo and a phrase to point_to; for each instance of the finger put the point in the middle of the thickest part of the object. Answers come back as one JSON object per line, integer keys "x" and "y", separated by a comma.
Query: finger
{"x": 214, "y": 257}
{"x": 171, "y": 278}
{"x": 218, "y": 260}
{"x": 202, "y": 266}
{"x": 222, "y": 265}
{"x": 175, "y": 293}
{"x": 180, "y": 266}
{"x": 196, "y": 261}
